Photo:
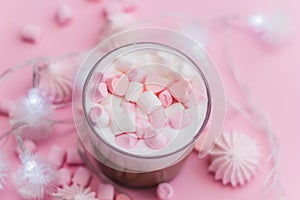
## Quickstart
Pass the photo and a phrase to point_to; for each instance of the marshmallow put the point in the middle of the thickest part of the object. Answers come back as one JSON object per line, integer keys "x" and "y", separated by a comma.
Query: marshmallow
{"x": 122, "y": 122}
{"x": 166, "y": 58}
{"x": 148, "y": 102}
{"x": 73, "y": 157}
{"x": 82, "y": 176}
{"x": 122, "y": 196}
{"x": 165, "y": 98}
{"x": 158, "y": 118}
{"x": 5, "y": 107}
{"x": 155, "y": 82}
{"x": 64, "y": 14}
{"x": 118, "y": 85}
{"x": 129, "y": 5}
{"x": 180, "y": 119}
{"x": 186, "y": 72}
{"x": 175, "y": 107}
{"x": 56, "y": 156}
{"x": 161, "y": 69}
{"x": 128, "y": 106}
{"x": 99, "y": 93}
{"x": 180, "y": 90}
{"x": 155, "y": 140}
{"x": 64, "y": 176}
{"x": 195, "y": 98}
{"x": 112, "y": 8}
{"x": 31, "y": 33}
{"x": 29, "y": 145}
{"x": 122, "y": 67}
{"x": 128, "y": 61}
{"x": 127, "y": 140}
{"x": 106, "y": 191}
{"x": 197, "y": 83}
{"x": 99, "y": 116}
{"x": 97, "y": 77}
{"x": 137, "y": 74}
{"x": 164, "y": 191}
{"x": 142, "y": 126}
{"x": 140, "y": 114}
{"x": 107, "y": 100}
{"x": 134, "y": 91}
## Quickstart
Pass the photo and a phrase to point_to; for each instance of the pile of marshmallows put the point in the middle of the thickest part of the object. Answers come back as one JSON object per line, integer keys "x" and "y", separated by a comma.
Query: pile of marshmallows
{"x": 138, "y": 103}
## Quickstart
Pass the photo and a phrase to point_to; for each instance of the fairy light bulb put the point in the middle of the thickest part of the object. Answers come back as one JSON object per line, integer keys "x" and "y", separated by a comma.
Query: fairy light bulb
{"x": 35, "y": 178}
{"x": 272, "y": 29}
{"x": 258, "y": 22}
{"x": 33, "y": 113}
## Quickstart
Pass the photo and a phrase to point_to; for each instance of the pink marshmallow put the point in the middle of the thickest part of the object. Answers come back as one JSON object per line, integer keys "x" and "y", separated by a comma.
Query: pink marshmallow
{"x": 106, "y": 191}
{"x": 180, "y": 119}
{"x": 31, "y": 33}
{"x": 73, "y": 157}
{"x": 65, "y": 176}
{"x": 97, "y": 77}
{"x": 180, "y": 90}
{"x": 99, "y": 116}
{"x": 158, "y": 118}
{"x": 155, "y": 83}
{"x": 118, "y": 85}
{"x": 56, "y": 156}
{"x": 165, "y": 98}
{"x": 127, "y": 140}
{"x": 142, "y": 126}
{"x": 29, "y": 145}
{"x": 122, "y": 196}
{"x": 112, "y": 8}
{"x": 82, "y": 176}
{"x": 164, "y": 191}
{"x": 154, "y": 140}
{"x": 195, "y": 98}
{"x": 98, "y": 93}
{"x": 101, "y": 92}
{"x": 129, "y": 5}
{"x": 5, "y": 107}
{"x": 137, "y": 74}
{"x": 64, "y": 14}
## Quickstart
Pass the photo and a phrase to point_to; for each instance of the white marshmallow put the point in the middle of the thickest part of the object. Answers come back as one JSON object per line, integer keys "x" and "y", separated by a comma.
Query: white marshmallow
{"x": 122, "y": 122}
{"x": 175, "y": 107}
{"x": 166, "y": 58}
{"x": 186, "y": 72}
{"x": 140, "y": 114}
{"x": 64, "y": 14}
{"x": 107, "y": 100}
{"x": 134, "y": 91}
{"x": 31, "y": 33}
{"x": 148, "y": 102}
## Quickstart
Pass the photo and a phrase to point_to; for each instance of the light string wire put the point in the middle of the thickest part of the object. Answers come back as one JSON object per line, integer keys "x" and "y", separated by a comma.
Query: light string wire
{"x": 254, "y": 112}
{"x": 6, "y": 75}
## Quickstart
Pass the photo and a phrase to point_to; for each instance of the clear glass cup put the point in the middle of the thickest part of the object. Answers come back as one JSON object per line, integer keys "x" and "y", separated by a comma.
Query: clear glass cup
{"x": 142, "y": 167}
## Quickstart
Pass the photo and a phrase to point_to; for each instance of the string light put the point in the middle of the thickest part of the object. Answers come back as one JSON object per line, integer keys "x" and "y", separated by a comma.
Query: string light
{"x": 32, "y": 116}
{"x": 35, "y": 178}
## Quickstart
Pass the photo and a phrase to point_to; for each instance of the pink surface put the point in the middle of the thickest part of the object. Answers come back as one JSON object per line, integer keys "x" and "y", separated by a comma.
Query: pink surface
{"x": 272, "y": 76}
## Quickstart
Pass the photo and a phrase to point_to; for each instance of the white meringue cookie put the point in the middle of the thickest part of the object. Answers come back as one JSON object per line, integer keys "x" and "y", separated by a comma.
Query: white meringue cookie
{"x": 234, "y": 159}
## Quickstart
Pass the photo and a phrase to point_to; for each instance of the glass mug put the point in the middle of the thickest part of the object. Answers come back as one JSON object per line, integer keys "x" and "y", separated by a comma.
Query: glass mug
{"x": 156, "y": 50}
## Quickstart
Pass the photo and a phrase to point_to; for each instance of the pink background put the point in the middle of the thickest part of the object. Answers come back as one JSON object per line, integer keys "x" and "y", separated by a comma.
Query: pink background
{"x": 271, "y": 74}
